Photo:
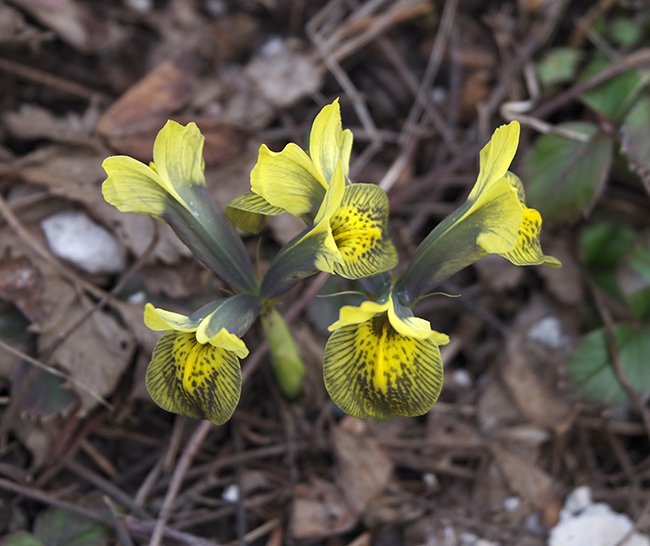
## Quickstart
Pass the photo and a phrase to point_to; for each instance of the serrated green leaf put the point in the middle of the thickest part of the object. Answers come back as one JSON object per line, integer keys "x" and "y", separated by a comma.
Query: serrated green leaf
{"x": 592, "y": 374}
{"x": 605, "y": 243}
{"x": 57, "y": 527}
{"x": 565, "y": 177}
{"x": 635, "y": 139}
{"x": 625, "y": 31}
{"x": 558, "y": 66}
{"x": 614, "y": 98}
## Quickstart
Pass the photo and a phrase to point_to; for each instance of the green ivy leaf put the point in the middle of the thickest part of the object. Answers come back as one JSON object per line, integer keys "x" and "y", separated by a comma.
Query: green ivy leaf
{"x": 603, "y": 246}
{"x": 56, "y": 527}
{"x": 614, "y": 98}
{"x": 635, "y": 139}
{"x": 625, "y": 31}
{"x": 565, "y": 177}
{"x": 558, "y": 66}
{"x": 591, "y": 371}
{"x": 21, "y": 538}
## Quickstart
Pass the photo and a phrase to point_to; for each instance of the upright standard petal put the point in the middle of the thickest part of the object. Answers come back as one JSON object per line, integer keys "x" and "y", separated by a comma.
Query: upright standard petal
{"x": 329, "y": 143}
{"x": 496, "y": 156}
{"x": 192, "y": 379}
{"x": 288, "y": 180}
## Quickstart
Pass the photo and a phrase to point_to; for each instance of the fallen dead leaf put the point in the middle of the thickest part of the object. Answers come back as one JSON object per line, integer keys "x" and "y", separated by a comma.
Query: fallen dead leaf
{"x": 283, "y": 74}
{"x": 364, "y": 468}
{"x": 76, "y": 23}
{"x": 531, "y": 484}
{"x": 147, "y": 105}
{"x": 21, "y": 284}
{"x": 319, "y": 511}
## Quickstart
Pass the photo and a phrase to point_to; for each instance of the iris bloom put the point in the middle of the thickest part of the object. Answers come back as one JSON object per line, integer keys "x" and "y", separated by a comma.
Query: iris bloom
{"x": 382, "y": 361}
{"x": 349, "y": 222}
{"x": 194, "y": 368}
{"x": 173, "y": 188}
{"x": 493, "y": 220}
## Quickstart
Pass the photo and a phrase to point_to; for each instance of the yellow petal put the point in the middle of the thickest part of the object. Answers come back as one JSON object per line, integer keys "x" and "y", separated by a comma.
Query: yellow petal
{"x": 178, "y": 157}
{"x": 528, "y": 250}
{"x": 370, "y": 370}
{"x": 328, "y": 143}
{"x": 498, "y": 212}
{"x": 222, "y": 339}
{"x": 360, "y": 232}
{"x": 402, "y": 320}
{"x": 160, "y": 320}
{"x": 199, "y": 381}
{"x": 328, "y": 254}
{"x": 496, "y": 156}
{"x": 289, "y": 180}
{"x": 250, "y": 212}
{"x": 131, "y": 186}
{"x": 353, "y": 314}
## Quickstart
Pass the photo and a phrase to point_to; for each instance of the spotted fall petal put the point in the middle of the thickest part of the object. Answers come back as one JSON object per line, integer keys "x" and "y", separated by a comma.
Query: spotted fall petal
{"x": 173, "y": 188}
{"x": 381, "y": 361}
{"x": 493, "y": 220}
{"x": 349, "y": 238}
{"x": 193, "y": 379}
{"x": 360, "y": 231}
{"x": 194, "y": 369}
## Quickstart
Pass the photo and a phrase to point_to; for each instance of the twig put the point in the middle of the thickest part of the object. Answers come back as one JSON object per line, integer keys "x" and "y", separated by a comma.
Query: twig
{"x": 638, "y": 59}
{"x": 54, "y": 371}
{"x": 144, "y": 529}
{"x": 45, "y": 498}
{"x": 617, "y": 366}
{"x": 194, "y": 444}
{"x": 118, "y": 524}
{"x": 108, "y": 488}
{"x": 50, "y": 80}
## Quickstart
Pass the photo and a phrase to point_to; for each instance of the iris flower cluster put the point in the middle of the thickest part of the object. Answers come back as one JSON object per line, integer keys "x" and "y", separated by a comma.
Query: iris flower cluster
{"x": 381, "y": 360}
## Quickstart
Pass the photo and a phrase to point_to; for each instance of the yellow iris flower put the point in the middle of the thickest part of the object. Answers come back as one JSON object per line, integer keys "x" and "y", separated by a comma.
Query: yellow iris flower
{"x": 381, "y": 361}
{"x": 194, "y": 368}
{"x": 351, "y": 220}
{"x": 173, "y": 188}
{"x": 493, "y": 220}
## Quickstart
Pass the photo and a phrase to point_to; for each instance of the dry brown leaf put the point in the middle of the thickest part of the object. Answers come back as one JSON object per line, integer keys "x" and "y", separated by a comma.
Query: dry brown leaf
{"x": 147, "y": 105}
{"x": 530, "y": 371}
{"x": 284, "y": 75}
{"x": 364, "y": 468}
{"x": 32, "y": 122}
{"x": 75, "y": 23}
{"x": 531, "y": 484}
{"x": 319, "y": 511}
{"x": 21, "y": 284}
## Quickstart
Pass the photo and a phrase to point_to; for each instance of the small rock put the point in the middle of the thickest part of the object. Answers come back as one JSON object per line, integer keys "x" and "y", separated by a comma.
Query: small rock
{"x": 582, "y": 522}
{"x": 548, "y": 331}
{"x": 74, "y": 237}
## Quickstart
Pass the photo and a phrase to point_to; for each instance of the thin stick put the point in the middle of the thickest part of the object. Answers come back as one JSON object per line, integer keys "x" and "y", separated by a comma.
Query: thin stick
{"x": 194, "y": 444}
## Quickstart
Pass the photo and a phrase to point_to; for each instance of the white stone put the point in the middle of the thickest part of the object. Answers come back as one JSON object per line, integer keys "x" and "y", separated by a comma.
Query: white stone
{"x": 231, "y": 493}
{"x": 548, "y": 331}
{"x": 74, "y": 237}
{"x": 583, "y": 523}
